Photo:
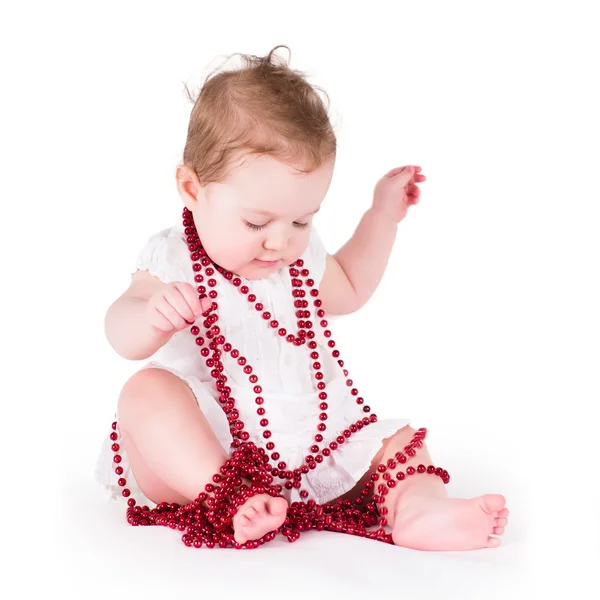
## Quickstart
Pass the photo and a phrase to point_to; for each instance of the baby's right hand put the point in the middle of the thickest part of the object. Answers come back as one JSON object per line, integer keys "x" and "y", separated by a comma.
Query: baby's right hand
{"x": 175, "y": 307}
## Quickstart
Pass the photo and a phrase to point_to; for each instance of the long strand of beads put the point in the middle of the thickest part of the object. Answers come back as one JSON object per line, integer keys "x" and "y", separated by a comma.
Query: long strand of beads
{"x": 208, "y": 519}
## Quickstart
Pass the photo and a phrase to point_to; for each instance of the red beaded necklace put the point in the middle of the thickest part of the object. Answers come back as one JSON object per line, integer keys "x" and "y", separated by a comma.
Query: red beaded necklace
{"x": 208, "y": 519}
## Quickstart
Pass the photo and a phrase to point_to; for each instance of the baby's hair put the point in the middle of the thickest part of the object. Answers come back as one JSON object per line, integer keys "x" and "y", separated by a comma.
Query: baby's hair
{"x": 263, "y": 107}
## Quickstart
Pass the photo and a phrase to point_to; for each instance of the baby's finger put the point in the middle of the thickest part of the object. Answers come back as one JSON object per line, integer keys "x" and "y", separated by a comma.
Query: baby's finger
{"x": 163, "y": 307}
{"x": 180, "y": 313}
{"x": 177, "y": 300}
{"x": 420, "y": 178}
{"x": 160, "y": 322}
{"x": 196, "y": 305}
{"x": 399, "y": 170}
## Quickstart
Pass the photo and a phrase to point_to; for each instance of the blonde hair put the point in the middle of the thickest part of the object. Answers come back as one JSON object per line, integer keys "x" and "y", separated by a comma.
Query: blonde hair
{"x": 264, "y": 107}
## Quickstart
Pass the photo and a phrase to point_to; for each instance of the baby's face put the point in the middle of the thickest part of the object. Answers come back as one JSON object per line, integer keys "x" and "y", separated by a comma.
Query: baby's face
{"x": 258, "y": 220}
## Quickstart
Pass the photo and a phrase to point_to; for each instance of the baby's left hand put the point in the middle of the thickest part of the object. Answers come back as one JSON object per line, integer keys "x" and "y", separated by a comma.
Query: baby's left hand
{"x": 397, "y": 190}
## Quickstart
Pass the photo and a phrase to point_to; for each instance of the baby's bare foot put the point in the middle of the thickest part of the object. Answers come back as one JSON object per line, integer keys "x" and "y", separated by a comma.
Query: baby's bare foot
{"x": 450, "y": 523}
{"x": 258, "y": 515}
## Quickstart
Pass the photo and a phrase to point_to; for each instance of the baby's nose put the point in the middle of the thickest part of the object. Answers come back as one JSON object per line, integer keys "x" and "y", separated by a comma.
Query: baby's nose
{"x": 275, "y": 241}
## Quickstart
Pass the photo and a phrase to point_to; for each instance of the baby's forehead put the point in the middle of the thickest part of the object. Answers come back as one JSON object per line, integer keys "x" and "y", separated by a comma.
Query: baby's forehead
{"x": 262, "y": 165}
{"x": 264, "y": 184}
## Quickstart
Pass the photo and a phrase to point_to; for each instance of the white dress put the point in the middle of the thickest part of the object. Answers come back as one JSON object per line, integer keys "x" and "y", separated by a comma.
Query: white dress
{"x": 284, "y": 371}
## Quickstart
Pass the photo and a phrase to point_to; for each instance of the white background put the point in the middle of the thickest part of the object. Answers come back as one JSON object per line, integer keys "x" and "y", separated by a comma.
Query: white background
{"x": 485, "y": 328}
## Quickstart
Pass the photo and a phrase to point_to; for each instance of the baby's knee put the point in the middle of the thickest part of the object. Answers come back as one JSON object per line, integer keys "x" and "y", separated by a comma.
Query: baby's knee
{"x": 142, "y": 390}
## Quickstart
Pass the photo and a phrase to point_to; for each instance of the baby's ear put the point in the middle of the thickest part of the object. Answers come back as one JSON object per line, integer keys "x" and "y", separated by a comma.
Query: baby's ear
{"x": 188, "y": 186}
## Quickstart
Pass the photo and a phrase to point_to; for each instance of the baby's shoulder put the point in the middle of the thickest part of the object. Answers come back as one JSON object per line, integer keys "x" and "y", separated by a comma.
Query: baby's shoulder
{"x": 165, "y": 255}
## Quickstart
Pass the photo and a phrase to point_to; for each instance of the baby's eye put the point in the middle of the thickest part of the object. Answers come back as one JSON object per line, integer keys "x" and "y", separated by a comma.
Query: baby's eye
{"x": 253, "y": 226}
{"x": 296, "y": 224}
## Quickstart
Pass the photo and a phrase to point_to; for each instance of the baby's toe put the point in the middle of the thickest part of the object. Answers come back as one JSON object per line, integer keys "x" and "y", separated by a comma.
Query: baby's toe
{"x": 277, "y": 506}
{"x": 503, "y": 513}
{"x": 493, "y": 503}
{"x": 498, "y": 530}
{"x": 501, "y": 522}
{"x": 493, "y": 542}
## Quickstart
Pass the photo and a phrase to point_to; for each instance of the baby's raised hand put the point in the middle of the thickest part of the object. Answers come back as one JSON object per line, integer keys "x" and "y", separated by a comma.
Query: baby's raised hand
{"x": 175, "y": 307}
{"x": 397, "y": 190}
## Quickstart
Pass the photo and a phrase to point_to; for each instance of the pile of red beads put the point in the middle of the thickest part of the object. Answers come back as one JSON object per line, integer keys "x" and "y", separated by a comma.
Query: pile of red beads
{"x": 208, "y": 519}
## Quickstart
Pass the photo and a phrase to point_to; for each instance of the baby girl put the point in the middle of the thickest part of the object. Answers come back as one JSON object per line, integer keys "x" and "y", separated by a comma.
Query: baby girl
{"x": 257, "y": 164}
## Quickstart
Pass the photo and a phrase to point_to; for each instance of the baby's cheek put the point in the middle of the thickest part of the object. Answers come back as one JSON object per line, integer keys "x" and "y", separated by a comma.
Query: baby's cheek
{"x": 300, "y": 245}
{"x": 239, "y": 249}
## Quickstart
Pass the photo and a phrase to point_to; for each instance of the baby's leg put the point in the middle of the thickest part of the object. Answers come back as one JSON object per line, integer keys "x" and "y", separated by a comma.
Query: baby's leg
{"x": 424, "y": 518}
{"x": 420, "y": 512}
{"x": 174, "y": 452}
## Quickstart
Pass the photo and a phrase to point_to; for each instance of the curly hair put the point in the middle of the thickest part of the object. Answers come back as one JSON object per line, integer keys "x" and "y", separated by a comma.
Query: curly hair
{"x": 263, "y": 107}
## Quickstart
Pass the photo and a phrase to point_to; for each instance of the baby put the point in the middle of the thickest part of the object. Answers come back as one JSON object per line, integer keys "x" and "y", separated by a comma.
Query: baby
{"x": 257, "y": 164}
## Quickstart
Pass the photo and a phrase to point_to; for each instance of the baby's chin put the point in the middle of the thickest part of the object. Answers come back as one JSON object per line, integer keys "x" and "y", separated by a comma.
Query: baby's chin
{"x": 252, "y": 271}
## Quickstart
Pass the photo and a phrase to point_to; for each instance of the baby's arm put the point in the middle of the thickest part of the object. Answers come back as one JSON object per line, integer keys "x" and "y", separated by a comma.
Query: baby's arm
{"x": 126, "y": 326}
{"x": 354, "y": 272}
{"x": 149, "y": 313}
